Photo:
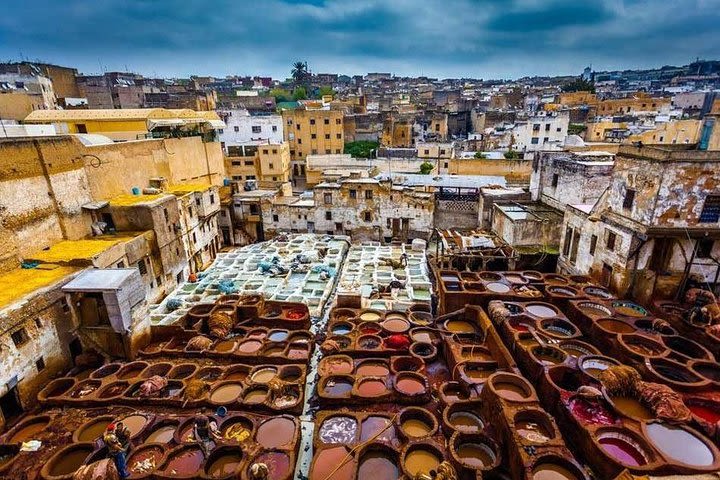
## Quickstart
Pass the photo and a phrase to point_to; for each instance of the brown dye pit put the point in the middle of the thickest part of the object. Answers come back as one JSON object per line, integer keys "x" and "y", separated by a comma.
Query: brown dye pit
{"x": 629, "y": 309}
{"x": 532, "y": 431}
{"x": 142, "y": 458}
{"x": 372, "y": 425}
{"x": 226, "y": 393}
{"x": 113, "y": 390}
{"x": 421, "y": 461}
{"x": 328, "y": 461}
{"x": 497, "y": 287}
{"x": 680, "y": 445}
{"x": 478, "y": 373}
{"x": 551, "y": 471}
{"x": 410, "y": 386}
{"x": 225, "y": 346}
{"x": 515, "y": 279}
{"x": 371, "y": 387}
{"x": 131, "y": 371}
{"x": 70, "y": 460}
{"x": 373, "y": 369}
{"x": 185, "y": 462}
{"x": 224, "y": 465}
{"x": 255, "y": 396}
{"x": 338, "y": 430}
{"x": 162, "y": 434}
{"x": 510, "y": 391}
{"x": 459, "y": 326}
{"x": 549, "y": 355}
{"x": 278, "y": 464}
{"x": 425, "y": 336}
{"x": 577, "y": 349}
{"x": 631, "y": 407}
{"x": 91, "y": 431}
{"x": 275, "y": 432}
{"x": 466, "y": 422}
{"x": 135, "y": 423}
{"x": 415, "y": 427}
{"x": 29, "y": 430}
{"x": 274, "y": 351}
{"x": 475, "y": 455}
{"x": 249, "y": 346}
{"x": 396, "y": 325}
{"x": 541, "y": 311}
{"x": 594, "y": 309}
{"x": 264, "y": 375}
{"x": 614, "y": 326}
{"x": 379, "y": 466}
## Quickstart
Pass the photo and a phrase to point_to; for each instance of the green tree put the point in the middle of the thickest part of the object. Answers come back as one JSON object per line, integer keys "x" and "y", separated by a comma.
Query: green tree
{"x": 579, "y": 85}
{"x": 480, "y": 155}
{"x": 299, "y": 93}
{"x": 576, "y": 128}
{"x": 326, "y": 90}
{"x": 300, "y": 73}
{"x": 426, "y": 168}
{"x": 512, "y": 155}
{"x": 281, "y": 95}
{"x": 362, "y": 148}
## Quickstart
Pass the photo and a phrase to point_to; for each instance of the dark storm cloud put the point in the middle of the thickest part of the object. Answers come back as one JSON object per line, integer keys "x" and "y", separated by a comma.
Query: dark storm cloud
{"x": 485, "y": 38}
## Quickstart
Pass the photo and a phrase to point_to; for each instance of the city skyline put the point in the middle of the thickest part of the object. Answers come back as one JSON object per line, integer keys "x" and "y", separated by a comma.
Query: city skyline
{"x": 459, "y": 38}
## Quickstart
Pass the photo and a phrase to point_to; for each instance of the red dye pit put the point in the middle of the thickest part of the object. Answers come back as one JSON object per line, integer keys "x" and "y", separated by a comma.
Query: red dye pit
{"x": 594, "y": 413}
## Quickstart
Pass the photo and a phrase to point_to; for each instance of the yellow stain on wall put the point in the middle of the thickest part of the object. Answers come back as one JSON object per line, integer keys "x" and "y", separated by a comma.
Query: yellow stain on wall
{"x": 20, "y": 282}
{"x": 69, "y": 250}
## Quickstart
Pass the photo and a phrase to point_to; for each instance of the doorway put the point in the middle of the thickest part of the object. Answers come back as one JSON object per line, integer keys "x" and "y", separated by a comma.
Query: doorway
{"x": 10, "y": 405}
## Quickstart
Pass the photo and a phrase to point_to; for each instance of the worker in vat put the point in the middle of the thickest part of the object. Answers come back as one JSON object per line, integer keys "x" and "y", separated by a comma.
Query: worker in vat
{"x": 117, "y": 440}
{"x": 206, "y": 432}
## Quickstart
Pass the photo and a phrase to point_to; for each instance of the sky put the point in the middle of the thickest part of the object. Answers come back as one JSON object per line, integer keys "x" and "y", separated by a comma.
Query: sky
{"x": 437, "y": 38}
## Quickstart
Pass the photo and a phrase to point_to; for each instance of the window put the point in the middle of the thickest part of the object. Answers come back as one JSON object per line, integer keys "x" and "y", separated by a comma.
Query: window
{"x": 593, "y": 244}
{"x": 546, "y": 139}
{"x": 338, "y": 136}
{"x": 194, "y": 238}
{"x": 535, "y": 140}
{"x": 167, "y": 215}
{"x": 274, "y": 150}
{"x": 38, "y": 322}
{"x": 81, "y": 127}
{"x": 236, "y": 164}
{"x": 249, "y": 163}
{"x": 442, "y": 152}
{"x": 298, "y": 126}
{"x": 190, "y": 211}
{"x": 236, "y": 128}
{"x": 337, "y": 150}
{"x": 328, "y": 215}
{"x": 328, "y": 198}
{"x": 629, "y": 198}
{"x": 611, "y": 238}
{"x": 427, "y": 152}
{"x": 547, "y": 127}
{"x": 265, "y": 151}
{"x": 312, "y": 121}
{"x": 711, "y": 209}
{"x": 704, "y": 247}
{"x": 142, "y": 267}
{"x": 368, "y": 194}
{"x": 197, "y": 201}
{"x": 536, "y": 127}
{"x": 327, "y": 136}
{"x": 559, "y": 129}
{"x": 447, "y": 164}
{"x": 20, "y": 337}
{"x": 300, "y": 143}
{"x": 568, "y": 241}
{"x": 275, "y": 218}
{"x": 353, "y": 194}
{"x": 274, "y": 128}
{"x": 256, "y": 129}
{"x": 574, "y": 249}
{"x": 289, "y": 121}
{"x": 312, "y": 135}
{"x": 367, "y": 216}
{"x": 40, "y": 364}
{"x": 120, "y": 264}
{"x": 555, "y": 179}
{"x": 328, "y": 151}
{"x": 314, "y": 151}
{"x": 270, "y": 166}
{"x": 327, "y": 121}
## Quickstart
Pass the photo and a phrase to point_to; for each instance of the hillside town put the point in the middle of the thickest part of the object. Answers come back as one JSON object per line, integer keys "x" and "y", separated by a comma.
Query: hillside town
{"x": 335, "y": 277}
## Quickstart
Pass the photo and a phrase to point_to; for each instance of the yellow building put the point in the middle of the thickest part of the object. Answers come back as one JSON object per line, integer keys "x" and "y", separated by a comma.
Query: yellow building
{"x": 127, "y": 124}
{"x": 397, "y": 133}
{"x": 678, "y": 131}
{"x": 575, "y": 99}
{"x": 268, "y": 163}
{"x": 313, "y": 132}
{"x": 639, "y": 102}
{"x": 18, "y": 105}
{"x": 603, "y": 130}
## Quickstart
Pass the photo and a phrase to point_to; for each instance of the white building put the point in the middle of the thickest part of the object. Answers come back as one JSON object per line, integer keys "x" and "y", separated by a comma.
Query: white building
{"x": 31, "y": 84}
{"x": 544, "y": 132}
{"x": 245, "y": 129}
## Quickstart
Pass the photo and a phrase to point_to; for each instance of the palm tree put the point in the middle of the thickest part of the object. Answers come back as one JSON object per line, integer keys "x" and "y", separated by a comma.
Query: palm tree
{"x": 299, "y": 73}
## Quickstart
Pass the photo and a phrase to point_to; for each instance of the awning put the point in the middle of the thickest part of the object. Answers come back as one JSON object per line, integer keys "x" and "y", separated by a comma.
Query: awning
{"x": 164, "y": 122}
{"x": 216, "y": 124}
